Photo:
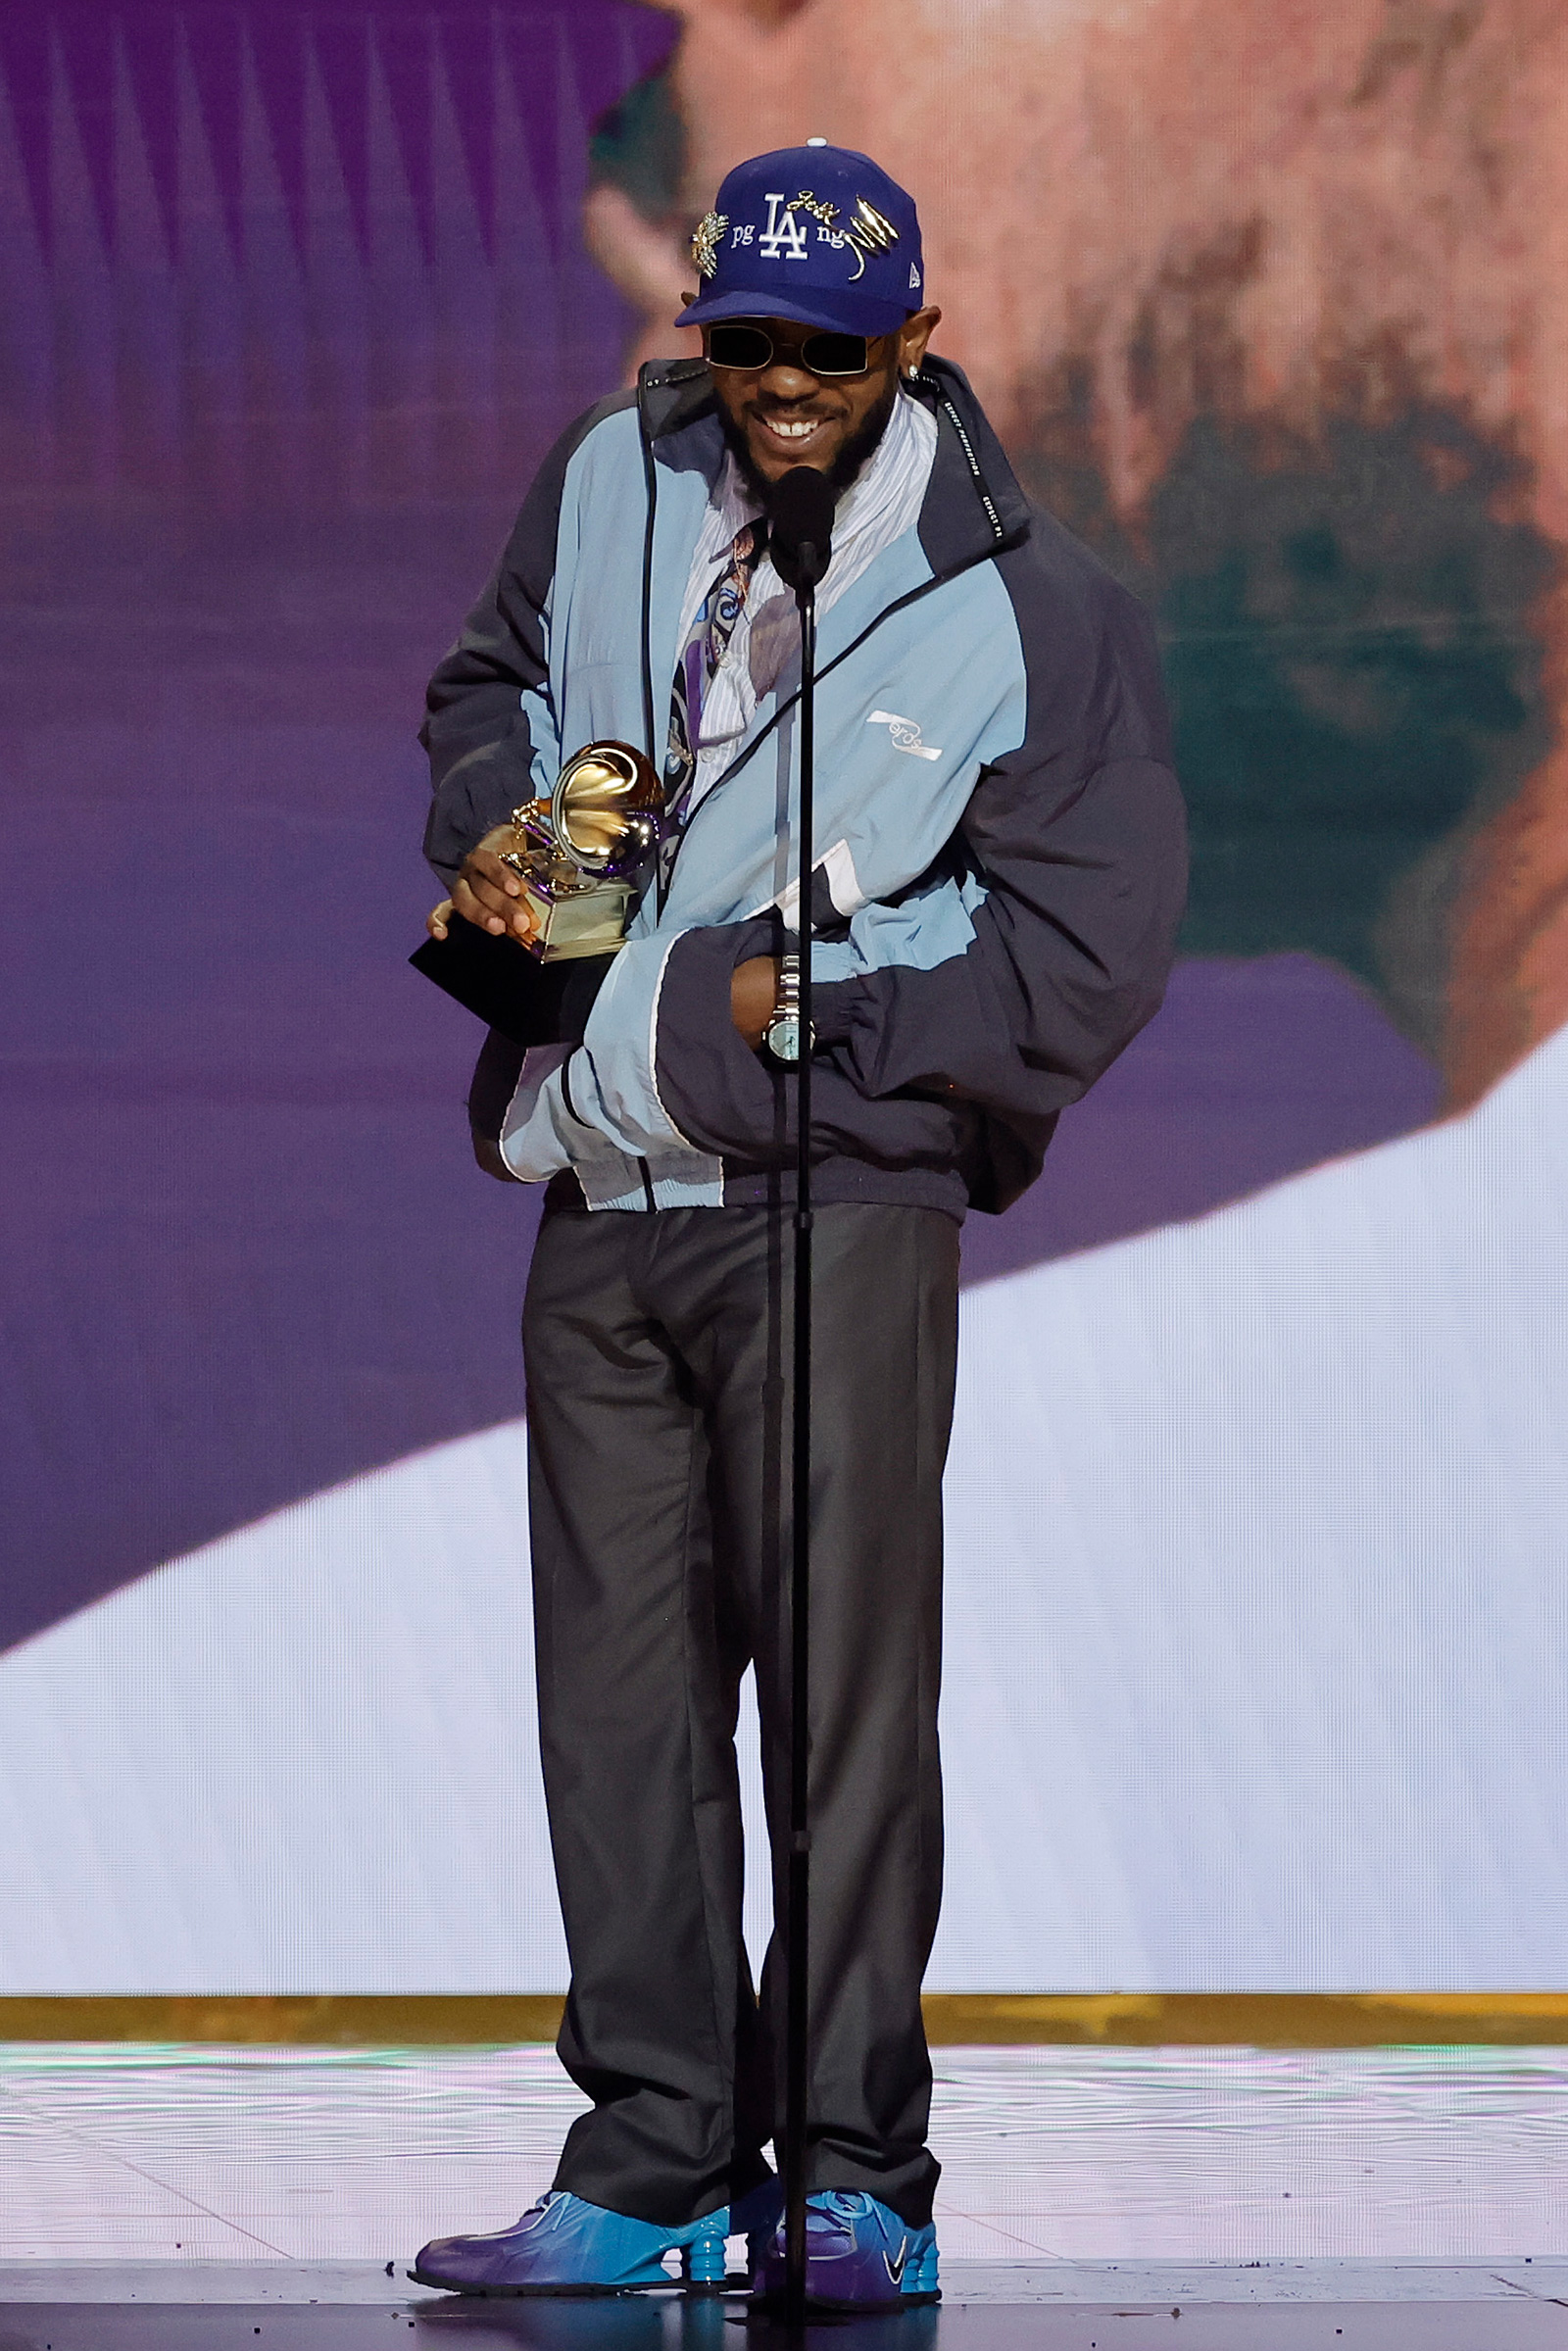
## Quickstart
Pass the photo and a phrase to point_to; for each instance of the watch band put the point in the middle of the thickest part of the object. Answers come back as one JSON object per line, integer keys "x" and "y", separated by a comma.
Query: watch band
{"x": 782, "y": 1035}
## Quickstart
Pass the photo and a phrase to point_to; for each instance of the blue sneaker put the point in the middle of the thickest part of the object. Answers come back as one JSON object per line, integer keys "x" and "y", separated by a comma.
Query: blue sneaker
{"x": 564, "y": 2246}
{"x": 858, "y": 2256}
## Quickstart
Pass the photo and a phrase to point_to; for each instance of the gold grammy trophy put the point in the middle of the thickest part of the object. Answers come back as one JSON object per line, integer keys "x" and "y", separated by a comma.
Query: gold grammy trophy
{"x": 579, "y": 853}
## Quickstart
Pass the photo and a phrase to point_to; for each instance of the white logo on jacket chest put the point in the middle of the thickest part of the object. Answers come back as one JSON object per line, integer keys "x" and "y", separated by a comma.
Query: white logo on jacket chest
{"x": 903, "y": 734}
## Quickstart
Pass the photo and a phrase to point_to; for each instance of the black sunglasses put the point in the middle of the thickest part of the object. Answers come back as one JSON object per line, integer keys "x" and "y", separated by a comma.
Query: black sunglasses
{"x": 741, "y": 343}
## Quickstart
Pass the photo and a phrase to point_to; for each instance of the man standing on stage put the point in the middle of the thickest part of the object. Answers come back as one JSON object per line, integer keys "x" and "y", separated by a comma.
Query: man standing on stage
{"x": 997, "y": 876}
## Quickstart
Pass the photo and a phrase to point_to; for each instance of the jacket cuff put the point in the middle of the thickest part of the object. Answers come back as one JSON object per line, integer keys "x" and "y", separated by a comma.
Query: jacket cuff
{"x": 478, "y": 793}
{"x": 833, "y": 1009}
{"x": 717, "y": 1090}
{"x": 490, "y": 1094}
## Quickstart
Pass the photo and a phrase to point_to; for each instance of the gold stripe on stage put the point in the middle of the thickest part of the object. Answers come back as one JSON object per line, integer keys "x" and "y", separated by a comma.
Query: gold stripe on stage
{"x": 394, "y": 2020}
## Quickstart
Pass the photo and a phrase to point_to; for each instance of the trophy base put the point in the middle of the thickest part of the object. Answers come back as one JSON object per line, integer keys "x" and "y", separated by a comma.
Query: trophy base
{"x": 529, "y": 1001}
{"x": 579, "y": 922}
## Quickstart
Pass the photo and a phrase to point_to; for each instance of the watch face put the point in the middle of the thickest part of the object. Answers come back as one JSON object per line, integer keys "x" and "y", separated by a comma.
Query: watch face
{"x": 783, "y": 1036}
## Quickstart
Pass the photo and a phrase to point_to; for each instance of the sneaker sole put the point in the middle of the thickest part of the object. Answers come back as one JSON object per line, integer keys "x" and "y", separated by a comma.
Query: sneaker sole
{"x": 555, "y": 2293}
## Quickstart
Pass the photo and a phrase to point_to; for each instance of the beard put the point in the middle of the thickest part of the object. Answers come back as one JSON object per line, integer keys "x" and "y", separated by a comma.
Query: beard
{"x": 846, "y": 468}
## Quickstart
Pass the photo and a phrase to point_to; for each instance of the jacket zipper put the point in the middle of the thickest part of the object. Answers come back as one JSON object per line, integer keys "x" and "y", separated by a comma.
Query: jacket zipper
{"x": 663, "y": 881}
{"x": 651, "y": 479}
{"x": 900, "y": 604}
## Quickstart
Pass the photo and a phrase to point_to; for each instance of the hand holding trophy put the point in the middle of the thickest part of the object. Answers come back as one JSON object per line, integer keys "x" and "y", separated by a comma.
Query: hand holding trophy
{"x": 580, "y": 856}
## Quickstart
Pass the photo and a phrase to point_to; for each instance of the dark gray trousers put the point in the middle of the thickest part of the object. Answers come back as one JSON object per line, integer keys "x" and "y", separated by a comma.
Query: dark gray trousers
{"x": 658, "y": 1358}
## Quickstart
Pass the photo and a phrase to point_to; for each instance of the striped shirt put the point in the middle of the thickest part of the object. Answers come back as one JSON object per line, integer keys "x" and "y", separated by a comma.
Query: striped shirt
{"x": 882, "y": 503}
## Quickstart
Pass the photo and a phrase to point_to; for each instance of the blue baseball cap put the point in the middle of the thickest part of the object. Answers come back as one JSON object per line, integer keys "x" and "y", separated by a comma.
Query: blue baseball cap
{"x": 817, "y": 233}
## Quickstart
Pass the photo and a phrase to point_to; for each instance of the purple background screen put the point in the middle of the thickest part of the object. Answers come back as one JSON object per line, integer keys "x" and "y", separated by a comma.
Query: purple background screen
{"x": 292, "y": 300}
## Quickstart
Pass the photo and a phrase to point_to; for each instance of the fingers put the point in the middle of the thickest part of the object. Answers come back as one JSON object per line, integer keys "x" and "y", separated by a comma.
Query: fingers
{"x": 436, "y": 921}
{"x": 486, "y": 891}
{"x": 478, "y": 909}
{"x": 527, "y": 921}
{"x": 489, "y": 895}
{"x": 519, "y": 917}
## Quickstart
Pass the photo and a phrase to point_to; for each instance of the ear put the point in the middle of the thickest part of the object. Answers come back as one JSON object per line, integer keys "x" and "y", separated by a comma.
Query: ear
{"x": 913, "y": 336}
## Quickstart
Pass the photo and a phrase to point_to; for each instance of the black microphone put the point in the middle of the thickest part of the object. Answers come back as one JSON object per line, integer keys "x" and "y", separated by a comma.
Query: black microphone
{"x": 800, "y": 527}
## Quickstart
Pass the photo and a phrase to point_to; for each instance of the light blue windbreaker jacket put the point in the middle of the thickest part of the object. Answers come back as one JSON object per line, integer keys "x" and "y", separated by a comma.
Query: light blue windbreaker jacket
{"x": 998, "y": 863}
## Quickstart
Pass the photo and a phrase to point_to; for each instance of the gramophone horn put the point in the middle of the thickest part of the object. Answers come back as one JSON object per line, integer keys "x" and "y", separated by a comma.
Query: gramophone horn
{"x": 605, "y": 807}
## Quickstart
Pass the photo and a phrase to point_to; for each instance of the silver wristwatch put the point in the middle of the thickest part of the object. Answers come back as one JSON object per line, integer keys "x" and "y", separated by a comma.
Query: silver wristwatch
{"x": 782, "y": 1035}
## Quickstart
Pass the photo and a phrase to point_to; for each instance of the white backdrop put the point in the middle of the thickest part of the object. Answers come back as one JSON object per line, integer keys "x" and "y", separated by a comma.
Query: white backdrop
{"x": 1257, "y": 1629}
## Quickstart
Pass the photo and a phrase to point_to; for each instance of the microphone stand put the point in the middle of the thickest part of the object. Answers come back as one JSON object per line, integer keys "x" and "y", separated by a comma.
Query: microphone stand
{"x": 800, "y": 526}
{"x": 796, "y": 2029}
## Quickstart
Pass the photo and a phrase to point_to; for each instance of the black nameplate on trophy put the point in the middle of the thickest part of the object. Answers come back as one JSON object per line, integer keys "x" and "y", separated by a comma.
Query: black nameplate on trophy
{"x": 510, "y": 990}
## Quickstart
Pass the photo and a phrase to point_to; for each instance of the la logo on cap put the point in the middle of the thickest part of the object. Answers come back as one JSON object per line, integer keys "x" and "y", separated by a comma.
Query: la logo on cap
{"x": 783, "y": 233}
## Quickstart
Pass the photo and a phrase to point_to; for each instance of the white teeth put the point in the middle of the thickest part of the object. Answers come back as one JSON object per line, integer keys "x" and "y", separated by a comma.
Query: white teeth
{"x": 792, "y": 432}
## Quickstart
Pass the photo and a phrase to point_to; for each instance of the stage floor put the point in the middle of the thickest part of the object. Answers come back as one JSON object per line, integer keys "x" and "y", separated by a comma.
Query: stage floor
{"x": 1357, "y": 2306}
{"x": 198, "y": 2197}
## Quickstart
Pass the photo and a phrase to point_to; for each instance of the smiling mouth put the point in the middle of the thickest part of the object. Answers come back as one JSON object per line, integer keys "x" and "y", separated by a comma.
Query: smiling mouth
{"x": 792, "y": 428}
